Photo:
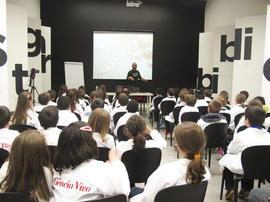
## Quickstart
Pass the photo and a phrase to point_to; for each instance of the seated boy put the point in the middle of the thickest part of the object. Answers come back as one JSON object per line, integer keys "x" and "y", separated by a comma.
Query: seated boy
{"x": 48, "y": 119}
{"x": 6, "y": 136}
{"x": 43, "y": 100}
{"x": 213, "y": 115}
{"x": 65, "y": 114}
{"x": 254, "y": 135}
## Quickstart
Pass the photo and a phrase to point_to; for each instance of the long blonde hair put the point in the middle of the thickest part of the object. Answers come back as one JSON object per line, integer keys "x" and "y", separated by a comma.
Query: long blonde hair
{"x": 23, "y": 105}
{"x": 100, "y": 122}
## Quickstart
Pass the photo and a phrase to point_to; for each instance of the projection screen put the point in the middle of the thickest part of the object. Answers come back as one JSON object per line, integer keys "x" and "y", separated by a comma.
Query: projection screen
{"x": 115, "y": 51}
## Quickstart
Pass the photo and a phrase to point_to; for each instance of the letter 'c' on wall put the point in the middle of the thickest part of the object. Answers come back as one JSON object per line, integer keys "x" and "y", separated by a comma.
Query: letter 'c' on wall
{"x": 3, "y": 54}
{"x": 266, "y": 69}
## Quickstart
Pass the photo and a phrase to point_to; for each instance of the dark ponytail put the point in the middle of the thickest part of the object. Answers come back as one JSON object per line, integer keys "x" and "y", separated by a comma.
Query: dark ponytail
{"x": 190, "y": 139}
{"x": 136, "y": 127}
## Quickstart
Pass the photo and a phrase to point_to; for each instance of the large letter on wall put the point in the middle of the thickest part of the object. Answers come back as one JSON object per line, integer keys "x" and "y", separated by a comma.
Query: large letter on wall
{"x": 3, "y": 55}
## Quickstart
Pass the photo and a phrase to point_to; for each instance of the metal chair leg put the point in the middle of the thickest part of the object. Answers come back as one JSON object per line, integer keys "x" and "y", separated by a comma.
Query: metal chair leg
{"x": 222, "y": 186}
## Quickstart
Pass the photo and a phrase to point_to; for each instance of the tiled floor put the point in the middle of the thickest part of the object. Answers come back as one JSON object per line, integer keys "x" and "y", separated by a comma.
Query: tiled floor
{"x": 169, "y": 154}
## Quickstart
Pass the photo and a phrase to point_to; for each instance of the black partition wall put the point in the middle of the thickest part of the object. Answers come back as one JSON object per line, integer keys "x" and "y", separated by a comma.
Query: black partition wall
{"x": 176, "y": 25}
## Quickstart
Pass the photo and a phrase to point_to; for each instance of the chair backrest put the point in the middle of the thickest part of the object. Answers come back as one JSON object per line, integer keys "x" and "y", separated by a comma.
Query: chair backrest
{"x": 15, "y": 197}
{"x": 116, "y": 198}
{"x": 176, "y": 112}
{"x": 255, "y": 162}
{"x": 227, "y": 117}
{"x": 103, "y": 153}
{"x": 167, "y": 106}
{"x": 237, "y": 118}
{"x": 241, "y": 128}
{"x": 191, "y": 116}
{"x": 156, "y": 101}
{"x": 215, "y": 134}
{"x": 78, "y": 116}
{"x": 52, "y": 150}
{"x": 117, "y": 116}
{"x": 121, "y": 135}
{"x": 3, "y": 156}
{"x": 61, "y": 127}
{"x": 140, "y": 165}
{"x": 267, "y": 115}
{"x": 21, "y": 127}
{"x": 203, "y": 110}
{"x": 184, "y": 193}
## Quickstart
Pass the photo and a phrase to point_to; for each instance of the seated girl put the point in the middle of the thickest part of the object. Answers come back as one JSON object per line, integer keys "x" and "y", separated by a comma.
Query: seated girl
{"x": 136, "y": 129}
{"x": 190, "y": 141}
{"x": 28, "y": 168}
{"x": 78, "y": 176}
{"x": 100, "y": 123}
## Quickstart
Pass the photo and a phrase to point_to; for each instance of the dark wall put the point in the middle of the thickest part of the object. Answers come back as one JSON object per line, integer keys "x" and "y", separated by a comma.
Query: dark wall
{"x": 176, "y": 30}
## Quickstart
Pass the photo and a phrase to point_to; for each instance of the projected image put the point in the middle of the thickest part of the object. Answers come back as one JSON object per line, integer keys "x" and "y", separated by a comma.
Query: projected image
{"x": 114, "y": 53}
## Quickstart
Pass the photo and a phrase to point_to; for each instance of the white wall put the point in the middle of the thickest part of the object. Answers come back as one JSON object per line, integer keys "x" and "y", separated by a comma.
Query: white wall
{"x": 32, "y": 7}
{"x": 224, "y": 12}
{"x": 3, "y": 48}
{"x": 17, "y": 47}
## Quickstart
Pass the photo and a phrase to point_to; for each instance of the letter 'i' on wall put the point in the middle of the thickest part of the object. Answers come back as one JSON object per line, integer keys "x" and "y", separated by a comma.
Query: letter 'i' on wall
{"x": 247, "y": 43}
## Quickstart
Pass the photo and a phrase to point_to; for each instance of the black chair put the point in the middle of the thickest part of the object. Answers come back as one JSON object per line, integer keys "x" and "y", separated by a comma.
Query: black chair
{"x": 52, "y": 150}
{"x": 183, "y": 193}
{"x": 166, "y": 107}
{"x": 191, "y": 116}
{"x": 15, "y": 197}
{"x": 237, "y": 118}
{"x": 255, "y": 166}
{"x": 116, "y": 198}
{"x": 78, "y": 116}
{"x": 117, "y": 116}
{"x": 141, "y": 164}
{"x": 103, "y": 153}
{"x": 215, "y": 136}
{"x": 267, "y": 115}
{"x": 203, "y": 110}
{"x": 121, "y": 135}
{"x": 21, "y": 127}
{"x": 155, "y": 113}
{"x": 3, "y": 156}
{"x": 227, "y": 116}
{"x": 241, "y": 128}
{"x": 176, "y": 112}
{"x": 61, "y": 127}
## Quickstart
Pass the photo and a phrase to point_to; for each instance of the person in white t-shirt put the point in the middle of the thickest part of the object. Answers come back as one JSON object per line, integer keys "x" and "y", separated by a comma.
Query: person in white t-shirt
{"x": 28, "y": 169}
{"x": 6, "y": 136}
{"x": 252, "y": 136}
{"x": 207, "y": 95}
{"x": 189, "y": 107}
{"x": 100, "y": 122}
{"x": 136, "y": 129}
{"x": 24, "y": 113}
{"x": 65, "y": 114}
{"x": 78, "y": 176}
{"x": 43, "y": 100}
{"x": 48, "y": 119}
{"x": 52, "y": 94}
{"x": 191, "y": 169}
{"x": 239, "y": 108}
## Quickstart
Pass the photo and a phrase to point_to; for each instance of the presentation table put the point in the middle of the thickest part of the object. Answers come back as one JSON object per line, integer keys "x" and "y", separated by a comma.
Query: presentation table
{"x": 139, "y": 94}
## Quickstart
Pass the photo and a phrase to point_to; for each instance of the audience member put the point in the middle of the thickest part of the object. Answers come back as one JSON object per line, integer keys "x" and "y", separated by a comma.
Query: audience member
{"x": 189, "y": 107}
{"x": 213, "y": 115}
{"x": 65, "y": 114}
{"x": 170, "y": 96}
{"x": 6, "y": 136}
{"x": 100, "y": 122}
{"x": 200, "y": 100}
{"x": 48, "y": 119}
{"x": 136, "y": 129}
{"x": 238, "y": 108}
{"x": 207, "y": 95}
{"x": 85, "y": 178}
{"x": 52, "y": 94}
{"x": 225, "y": 94}
{"x": 24, "y": 113}
{"x": 190, "y": 142}
{"x": 252, "y": 136}
{"x": 123, "y": 101}
{"x": 43, "y": 100}
{"x": 28, "y": 168}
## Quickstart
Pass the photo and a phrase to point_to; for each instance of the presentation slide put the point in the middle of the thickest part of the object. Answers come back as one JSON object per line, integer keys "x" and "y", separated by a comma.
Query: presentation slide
{"x": 115, "y": 51}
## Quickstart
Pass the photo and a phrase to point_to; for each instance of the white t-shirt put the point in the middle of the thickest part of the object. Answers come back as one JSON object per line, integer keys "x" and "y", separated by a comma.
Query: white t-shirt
{"x": 123, "y": 120}
{"x": 90, "y": 180}
{"x": 109, "y": 143}
{"x": 246, "y": 138}
{"x": 186, "y": 109}
{"x": 32, "y": 119}
{"x": 156, "y": 142}
{"x": 51, "y": 135}
{"x": 201, "y": 103}
{"x": 237, "y": 109}
{"x": 66, "y": 117}
{"x": 167, "y": 175}
{"x": 6, "y": 138}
